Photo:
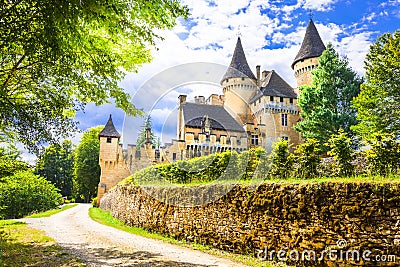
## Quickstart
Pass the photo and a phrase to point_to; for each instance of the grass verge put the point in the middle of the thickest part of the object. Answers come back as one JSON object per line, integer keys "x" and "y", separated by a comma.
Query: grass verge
{"x": 52, "y": 212}
{"x": 22, "y": 246}
{"x": 105, "y": 218}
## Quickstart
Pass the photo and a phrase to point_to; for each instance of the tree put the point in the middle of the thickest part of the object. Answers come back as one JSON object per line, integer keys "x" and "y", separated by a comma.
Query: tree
{"x": 56, "y": 164}
{"x": 378, "y": 104}
{"x": 326, "y": 103}
{"x": 56, "y": 56}
{"x": 307, "y": 158}
{"x": 342, "y": 153}
{"x": 142, "y": 137}
{"x": 282, "y": 160}
{"x": 9, "y": 160}
{"x": 86, "y": 166}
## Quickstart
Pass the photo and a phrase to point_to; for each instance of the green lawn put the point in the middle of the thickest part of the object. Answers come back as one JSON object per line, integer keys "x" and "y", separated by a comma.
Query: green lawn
{"x": 105, "y": 218}
{"x": 51, "y": 212}
{"x": 21, "y": 246}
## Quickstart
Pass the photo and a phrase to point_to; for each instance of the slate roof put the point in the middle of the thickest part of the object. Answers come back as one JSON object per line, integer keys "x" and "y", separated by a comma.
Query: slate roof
{"x": 239, "y": 66}
{"x": 220, "y": 118}
{"x": 109, "y": 130}
{"x": 274, "y": 85}
{"x": 312, "y": 45}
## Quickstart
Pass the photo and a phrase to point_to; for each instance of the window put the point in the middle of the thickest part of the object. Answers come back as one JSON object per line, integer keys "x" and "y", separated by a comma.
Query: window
{"x": 284, "y": 120}
{"x": 271, "y": 98}
{"x": 291, "y": 100}
{"x": 242, "y": 78}
{"x": 281, "y": 99}
{"x": 259, "y": 100}
{"x": 173, "y": 156}
{"x": 108, "y": 139}
{"x": 254, "y": 139}
{"x": 285, "y": 138}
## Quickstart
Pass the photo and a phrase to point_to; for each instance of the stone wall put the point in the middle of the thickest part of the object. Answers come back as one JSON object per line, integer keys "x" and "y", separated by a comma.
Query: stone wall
{"x": 290, "y": 217}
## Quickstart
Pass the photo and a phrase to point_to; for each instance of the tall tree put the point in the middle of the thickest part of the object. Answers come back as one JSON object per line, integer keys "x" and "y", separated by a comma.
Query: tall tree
{"x": 56, "y": 56}
{"x": 10, "y": 162}
{"x": 142, "y": 137}
{"x": 326, "y": 103}
{"x": 378, "y": 104}
{"x": 86, "y": 166}
{"x": 56, "y": 164}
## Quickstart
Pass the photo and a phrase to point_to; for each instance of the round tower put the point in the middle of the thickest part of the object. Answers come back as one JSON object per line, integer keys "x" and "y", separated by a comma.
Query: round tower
{"x": 307, "y": 57}
{"x": 239, "y": 85}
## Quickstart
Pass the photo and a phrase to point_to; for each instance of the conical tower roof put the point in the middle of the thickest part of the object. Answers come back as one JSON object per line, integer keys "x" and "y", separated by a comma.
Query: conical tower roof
{"x": 109, "y": 130}
{"x": 239, "y": 66}
{"x": 312, "y": 45}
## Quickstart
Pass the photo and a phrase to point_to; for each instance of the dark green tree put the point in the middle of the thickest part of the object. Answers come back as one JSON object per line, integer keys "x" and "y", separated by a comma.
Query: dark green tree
{"x": 326, "y": 103}
{"x": 142, "y": 137}
{"x": 56, "y": 164}
{"x": 86, "y": 166}
{"x": 10, "y": 162}
{"x": 378, "y": 104}
{"x": 56, "y": 56}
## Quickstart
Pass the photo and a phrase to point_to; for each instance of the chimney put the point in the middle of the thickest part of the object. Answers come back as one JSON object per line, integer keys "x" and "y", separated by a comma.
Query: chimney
{"x": 182, "y": 99}
{"x": 264, "y": 74}
{"x": 258, "y": 67}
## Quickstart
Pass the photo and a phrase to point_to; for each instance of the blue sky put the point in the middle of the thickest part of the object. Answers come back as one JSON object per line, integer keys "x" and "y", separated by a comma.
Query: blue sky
{"x": 271, "y": 33}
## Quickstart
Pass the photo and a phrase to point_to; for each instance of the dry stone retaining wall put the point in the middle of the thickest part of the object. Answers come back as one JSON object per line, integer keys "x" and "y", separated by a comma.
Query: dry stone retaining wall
{"x": 275, "y": 216}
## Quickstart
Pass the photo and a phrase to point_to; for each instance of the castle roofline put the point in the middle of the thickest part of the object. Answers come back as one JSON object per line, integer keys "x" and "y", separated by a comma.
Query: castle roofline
{"x": 239, "y": 68}
{"x": 109, "y": 130}
{"x": 312, "y": 45}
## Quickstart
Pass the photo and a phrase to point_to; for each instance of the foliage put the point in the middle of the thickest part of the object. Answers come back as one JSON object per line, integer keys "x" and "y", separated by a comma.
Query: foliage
{"x": 307, "y": 158}
{"x": 342, "y": 153}
{"x": 9, "y": 161}
{"x": 25, "y": 193}
{"x": 383, "y": 157}
{"x": 56, "y": 56}
{"x": 86, "y": 166}
{"x": 225, "y": 166}
{"x": 56, "y": 164}
{"x": 142, "y": 137}
{"x": 49, "y": 213}
{"x": 326, "y": 103}
{"x": 282, "y": 160}
{"x": 378, "y": 104}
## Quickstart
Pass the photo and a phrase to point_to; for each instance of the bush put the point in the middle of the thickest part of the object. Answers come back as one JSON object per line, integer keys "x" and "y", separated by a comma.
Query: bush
{"x": 25, "y": 193}
{"x": 282, "y": 160}
{"x": 383, "y": 157}
{"x": 342, "y": 153}
{"x": 307, "y": 158}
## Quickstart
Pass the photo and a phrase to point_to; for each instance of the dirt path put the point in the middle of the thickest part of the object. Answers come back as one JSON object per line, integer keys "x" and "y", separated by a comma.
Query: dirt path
{"x": 99, "y": 245}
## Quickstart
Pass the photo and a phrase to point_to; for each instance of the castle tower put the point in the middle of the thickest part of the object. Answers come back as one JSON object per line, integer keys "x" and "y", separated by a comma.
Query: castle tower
{"x": 239, "y": 84}
{"x": 307, "y": 57}
{"x": 109, "y": 159}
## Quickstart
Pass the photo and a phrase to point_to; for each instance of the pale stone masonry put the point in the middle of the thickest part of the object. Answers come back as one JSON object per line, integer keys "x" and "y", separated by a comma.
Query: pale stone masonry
{"x": 254, "y": 110}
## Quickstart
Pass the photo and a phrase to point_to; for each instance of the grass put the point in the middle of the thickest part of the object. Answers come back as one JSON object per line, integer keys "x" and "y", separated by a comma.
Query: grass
{"x": 52, "y": 212}
{"x": 106, "y": 218}
{"x": 22, "y": 246}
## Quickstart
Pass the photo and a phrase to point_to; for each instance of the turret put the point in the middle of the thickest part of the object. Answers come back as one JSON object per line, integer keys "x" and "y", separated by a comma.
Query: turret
{"x": 307, "y": 57}
{"x": 239, "y": 85}
{"x": 108, "y": 157}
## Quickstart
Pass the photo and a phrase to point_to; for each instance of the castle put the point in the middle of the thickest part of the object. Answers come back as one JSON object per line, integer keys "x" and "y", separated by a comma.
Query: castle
{"x": 254, "y": 110}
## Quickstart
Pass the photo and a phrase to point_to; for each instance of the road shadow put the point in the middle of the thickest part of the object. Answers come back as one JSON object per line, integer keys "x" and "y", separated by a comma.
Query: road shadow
{"x": 123, "y": 258}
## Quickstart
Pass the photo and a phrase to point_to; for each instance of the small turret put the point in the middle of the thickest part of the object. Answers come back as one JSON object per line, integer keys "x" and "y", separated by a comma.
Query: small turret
{"x": 307, "y": 57}
{"x": 239, "y": 85}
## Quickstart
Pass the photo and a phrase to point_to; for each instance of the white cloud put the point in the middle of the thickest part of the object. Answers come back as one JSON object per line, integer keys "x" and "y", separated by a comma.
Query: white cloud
{"x": 318, "y": 5}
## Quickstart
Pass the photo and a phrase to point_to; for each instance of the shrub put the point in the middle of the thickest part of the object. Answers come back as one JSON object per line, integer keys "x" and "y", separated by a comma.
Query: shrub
{"x": 383, "y": 157}
{"x": 25, "y": 193}
{"x": 307, "y": 158}
{"x": 282, "y": 160}
{"x": 342, "y": 153}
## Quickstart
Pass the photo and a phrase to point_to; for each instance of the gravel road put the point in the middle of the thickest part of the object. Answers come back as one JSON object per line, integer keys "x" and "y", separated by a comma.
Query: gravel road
{"x": 99, "y": 245}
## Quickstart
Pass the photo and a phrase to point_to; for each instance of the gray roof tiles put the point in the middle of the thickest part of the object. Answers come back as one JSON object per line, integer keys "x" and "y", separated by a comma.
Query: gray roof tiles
{"x": 109, "y": 130}
{"x": 239, "y": 68}
{"x": 312, "y": 45}
{"x": 219, "y": 117}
